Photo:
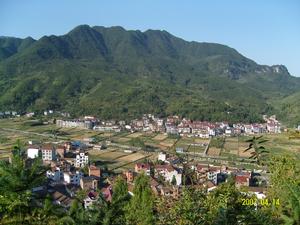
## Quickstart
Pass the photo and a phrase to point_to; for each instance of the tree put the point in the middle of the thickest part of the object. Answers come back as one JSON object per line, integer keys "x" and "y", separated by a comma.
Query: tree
{"x": 285, "y": 186}
{"x": 16, "y": 182}
{"x": 173, "y": 182}
{"x": 141, "y": 205}
{"x": 260, "y": 151}
{"x": 116, "y": 211}
{"x": 48, "y": 214}
{"x": 189, "y": 209}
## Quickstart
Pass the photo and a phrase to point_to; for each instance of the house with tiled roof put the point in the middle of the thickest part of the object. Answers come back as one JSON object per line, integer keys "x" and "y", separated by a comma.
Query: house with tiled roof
{"x": 142, "y": 167}
{"x": 242, "y": 179}
{"x": 168, "y": 172}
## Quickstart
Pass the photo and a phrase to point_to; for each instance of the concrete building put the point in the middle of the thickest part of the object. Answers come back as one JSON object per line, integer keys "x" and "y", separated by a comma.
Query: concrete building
{"x": 162, "y": 156}
{"x": 73, "y": 177}
{"x": 82, "y": 159}
{"x": 48, "y": 152}
{"x": 33, "y": 152}
{"x": 55, "y": 174}
{"x": 88, "y": 183}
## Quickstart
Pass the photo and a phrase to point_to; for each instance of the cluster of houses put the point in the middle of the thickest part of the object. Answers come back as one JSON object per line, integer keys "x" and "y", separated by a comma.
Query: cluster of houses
{"x": 71, "y": 172}
{"x": 176, "y": 126}
{"x": 70, "y": 153}
{"x": 167, "y": 179}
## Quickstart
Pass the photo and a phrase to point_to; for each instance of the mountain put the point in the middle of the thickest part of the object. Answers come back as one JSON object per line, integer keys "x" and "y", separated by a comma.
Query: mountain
{"x": 115, "y": 73}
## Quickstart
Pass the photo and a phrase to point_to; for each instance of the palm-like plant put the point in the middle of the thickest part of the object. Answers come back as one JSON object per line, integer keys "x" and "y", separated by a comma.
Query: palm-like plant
{"x": 260, "y": 151}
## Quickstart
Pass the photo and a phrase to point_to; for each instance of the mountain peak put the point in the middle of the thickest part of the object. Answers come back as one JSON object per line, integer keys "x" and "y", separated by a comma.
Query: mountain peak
{"x": 279, "y": 69}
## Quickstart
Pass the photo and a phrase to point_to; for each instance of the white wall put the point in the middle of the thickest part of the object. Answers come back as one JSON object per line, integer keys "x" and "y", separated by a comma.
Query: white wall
{"x": 32, "y": 153}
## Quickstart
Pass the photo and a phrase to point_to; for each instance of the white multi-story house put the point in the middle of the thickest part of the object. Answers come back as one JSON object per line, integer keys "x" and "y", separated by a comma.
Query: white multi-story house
{"x": 48, "y": 153}
{"x": 73, "y": 178}
{"x": 33, "y": 152}
{"x": 162, "y": 156}
{"x": 82, "y": 159}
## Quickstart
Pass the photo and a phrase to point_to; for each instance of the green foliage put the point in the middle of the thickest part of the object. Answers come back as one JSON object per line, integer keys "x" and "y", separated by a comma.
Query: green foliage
{"x": 140, "y": 210}
{"x": 217, "y": 142}
{"x": 137, "y": 142}
{"x": 173, "y": 182}
{"x": 260, "y": 151}
{"x": 120, "y": 200}
{"x": 285, "y": 183}
{"x": 16, "y": 182}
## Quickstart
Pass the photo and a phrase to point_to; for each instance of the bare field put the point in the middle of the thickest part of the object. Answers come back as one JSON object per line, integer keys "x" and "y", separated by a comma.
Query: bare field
{"x": 201, "y": 141}
{"x": 122, "y": 139}
{"x": 242, "y": 152}
{"x": 160, "y": 137}
{"x": 113, "y": 155}
{"x": 168, "y": 142}
{"x": 132, "y": 157}
{"x": 100, "y": 152}
{"x": 212, "y": 151}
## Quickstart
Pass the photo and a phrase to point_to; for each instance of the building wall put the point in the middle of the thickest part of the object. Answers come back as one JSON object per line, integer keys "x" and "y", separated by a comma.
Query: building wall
{"x": 32, "y": 153}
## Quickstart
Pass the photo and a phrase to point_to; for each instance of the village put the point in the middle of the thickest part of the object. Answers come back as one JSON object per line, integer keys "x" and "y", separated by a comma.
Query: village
{"x": 77, "y": 167}
{"x": 72, "y": 173}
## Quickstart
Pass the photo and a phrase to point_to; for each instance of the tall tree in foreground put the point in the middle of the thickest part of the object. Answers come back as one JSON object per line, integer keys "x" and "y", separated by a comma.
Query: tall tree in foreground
{"x": 141, "y": 205}
{"x": 116, "y": 212}
{"x": 16, "y": 182}
{"x": 260, "y": 151}
{"x": 285, "y": 186}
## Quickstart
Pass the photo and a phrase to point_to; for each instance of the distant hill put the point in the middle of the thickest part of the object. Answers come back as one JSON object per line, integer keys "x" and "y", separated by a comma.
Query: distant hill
{"x": 115, "y": 73}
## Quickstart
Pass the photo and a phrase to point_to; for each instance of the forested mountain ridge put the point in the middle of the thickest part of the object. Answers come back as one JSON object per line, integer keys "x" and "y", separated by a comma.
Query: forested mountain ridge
{"x": 115, "y": 73}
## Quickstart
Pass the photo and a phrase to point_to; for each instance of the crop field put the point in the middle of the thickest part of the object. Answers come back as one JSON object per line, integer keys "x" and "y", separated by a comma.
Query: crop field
{"x": 160, "y": 137}
{"x": 25, "y": 129}
{"x": 192, "y": 144}
{"x": 277, "y": 144}
{"x": 213, "y": 151}
{"x": 132, "y": 157}
{"x": 109, "y": 155}
{"x": 201, "y": 140}
{"x": 115, "y": 158}
{"x": 135, "y": 135}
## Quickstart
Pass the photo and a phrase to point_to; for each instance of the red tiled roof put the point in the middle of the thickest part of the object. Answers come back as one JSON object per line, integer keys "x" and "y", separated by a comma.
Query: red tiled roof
{"x": 241, "y": 179}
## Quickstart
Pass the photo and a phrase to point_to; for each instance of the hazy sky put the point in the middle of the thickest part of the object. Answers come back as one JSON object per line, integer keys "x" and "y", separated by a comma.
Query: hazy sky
{"x": 267, "y": 31}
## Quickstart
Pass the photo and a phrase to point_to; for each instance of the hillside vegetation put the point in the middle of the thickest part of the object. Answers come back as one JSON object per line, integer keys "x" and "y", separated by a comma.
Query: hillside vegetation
{"x": 115, "y": 73}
